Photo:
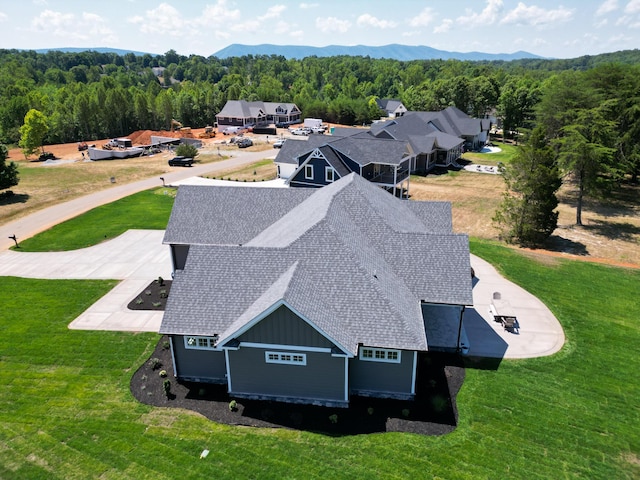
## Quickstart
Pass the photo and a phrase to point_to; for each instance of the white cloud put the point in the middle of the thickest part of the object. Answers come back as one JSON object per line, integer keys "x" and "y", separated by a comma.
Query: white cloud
{"x": 602, "y": 23}
{"x": 488, "y": 16}
{"x": 3, "y": 17}
{"x": 273, "y": 12}
{"x": 536, "y": 16}
{"x": 332, "y": 24}
{"x": 306, "y": 6}
{"x": 98, "y": 27}
{"x": 297, "y": 34}
{"x": 219, "y": 14}
{"x": 248, "y": 26}
{"x": 164, "y": 20}
{"x": 282, "y": 27}
{"x": 413, "y": 33}
{"x": 444, "y": 27}
{"x": 424, "y": 18}
{"x": 632, "y": 7}
{"x": 607, "y": 6}
{"x": 367, "y": 20}
{"x": 50, "y": 20}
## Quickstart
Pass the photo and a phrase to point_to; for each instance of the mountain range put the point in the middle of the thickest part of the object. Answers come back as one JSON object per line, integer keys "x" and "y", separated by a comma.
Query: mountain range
{"x": 393, "y": 51}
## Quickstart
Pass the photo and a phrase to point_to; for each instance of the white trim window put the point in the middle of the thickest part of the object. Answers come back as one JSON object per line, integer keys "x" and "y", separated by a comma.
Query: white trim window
{"x": 200, "y": 343}
{"x": 329, "y": 174}
{"x": 380, "y": 355}
{"x": 308, "y": 172}
{"x": 287, "y": 358}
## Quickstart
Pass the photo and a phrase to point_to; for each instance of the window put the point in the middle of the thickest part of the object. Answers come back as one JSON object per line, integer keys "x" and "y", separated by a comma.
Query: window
{"x": 329, "y": 174}
{"x": 286, "y": 358}
{"x": 200, "y": 343}
{"x": 308, "y": 172}
{"x": 380, "y": 355}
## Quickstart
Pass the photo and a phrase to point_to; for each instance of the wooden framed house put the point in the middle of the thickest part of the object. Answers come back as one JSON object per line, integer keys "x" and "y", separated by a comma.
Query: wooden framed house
{"x": 312, "y": 295}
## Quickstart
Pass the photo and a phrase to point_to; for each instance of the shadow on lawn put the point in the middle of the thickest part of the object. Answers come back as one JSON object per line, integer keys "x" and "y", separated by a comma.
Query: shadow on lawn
{"x": 433, "y": 412}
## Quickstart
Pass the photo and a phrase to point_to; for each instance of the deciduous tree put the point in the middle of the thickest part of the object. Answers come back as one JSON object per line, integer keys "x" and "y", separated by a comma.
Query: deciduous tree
{"x": 32, "y": 132}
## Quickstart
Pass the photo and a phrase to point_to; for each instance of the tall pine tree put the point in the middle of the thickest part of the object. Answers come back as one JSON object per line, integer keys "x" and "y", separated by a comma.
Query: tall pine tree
{"x": 527, "y": 215}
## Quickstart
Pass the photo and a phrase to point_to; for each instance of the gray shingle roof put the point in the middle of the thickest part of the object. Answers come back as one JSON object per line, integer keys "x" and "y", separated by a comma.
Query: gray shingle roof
{"x": 208, "y": 216}
{"x": 352, "y": 259}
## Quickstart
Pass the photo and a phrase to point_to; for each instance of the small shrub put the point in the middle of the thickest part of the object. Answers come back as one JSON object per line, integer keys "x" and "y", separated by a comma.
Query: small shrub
{"x": 166, "y": 386}
{"x": 144, "y": 377}
{"x": 163, "y": 293}
{"x": 147, "y": 292}
{"x": 155, "y": 363}
{"x": 139, "y": 301}
{"x": 333, "y": 418}
{"x": 233, "y": 405}
{"x": 166, "y": 345}
{"x": 370, "y": 410}
{"x": 161, "y": 281}
{"x": 157, "y": 304}
{"x": 254, "y": 172}
{"x": 202, "y": 392}
{"x": 143, "y": 387}
{"x": 405, "y": 412}
{"x": 163, "y": 373}
{"x": 439, "y": 403}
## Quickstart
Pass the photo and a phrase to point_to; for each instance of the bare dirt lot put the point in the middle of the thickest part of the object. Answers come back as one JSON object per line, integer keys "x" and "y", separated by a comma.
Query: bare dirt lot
{"x": 611, "y": 230}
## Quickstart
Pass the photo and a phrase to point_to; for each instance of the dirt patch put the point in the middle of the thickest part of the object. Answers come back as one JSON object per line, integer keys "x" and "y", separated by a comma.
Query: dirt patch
{"x": 433, "y": 412}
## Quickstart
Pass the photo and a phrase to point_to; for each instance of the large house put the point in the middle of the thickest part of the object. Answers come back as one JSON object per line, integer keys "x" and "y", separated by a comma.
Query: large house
{"x": 240, "y": 113}
{"x": 312, "y": 295}
{"x": 322, "y": 160}
{"x": 387, "y": 153}
{"x": 392, "y": 108}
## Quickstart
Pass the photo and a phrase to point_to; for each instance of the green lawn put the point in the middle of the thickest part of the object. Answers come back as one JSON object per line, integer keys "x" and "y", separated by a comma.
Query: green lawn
{"x": 149, "y": 209}
{"x": 66, "y": 411}
{"x": 504, "y": 156}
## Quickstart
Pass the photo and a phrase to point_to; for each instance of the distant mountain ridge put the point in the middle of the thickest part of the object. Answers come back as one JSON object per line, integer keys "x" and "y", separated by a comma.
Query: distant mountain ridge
{"x": 117, "y": 51}
{"x": 393, "y": 51}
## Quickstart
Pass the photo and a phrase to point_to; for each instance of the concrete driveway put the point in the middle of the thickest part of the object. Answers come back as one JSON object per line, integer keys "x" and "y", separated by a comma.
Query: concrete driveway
{"x": 137, "y": 257}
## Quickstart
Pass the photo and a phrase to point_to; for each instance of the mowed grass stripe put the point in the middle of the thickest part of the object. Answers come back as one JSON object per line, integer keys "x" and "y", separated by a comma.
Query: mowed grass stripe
{"x": 571, "y": 415}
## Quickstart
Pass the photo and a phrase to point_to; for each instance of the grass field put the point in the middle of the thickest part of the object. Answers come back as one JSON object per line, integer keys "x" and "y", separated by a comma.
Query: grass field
{"x": 66, "y": 411}
{"x": 149, "y": 209}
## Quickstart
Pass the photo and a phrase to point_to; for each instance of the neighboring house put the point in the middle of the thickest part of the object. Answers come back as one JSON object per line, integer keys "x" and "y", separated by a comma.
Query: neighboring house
{"x": 312, "y": 295}
{"x": 393, "y": 108}
{"x": 240, "y": 113}
{"x": 438, "y": 138}
{"x": 322, "y": 160}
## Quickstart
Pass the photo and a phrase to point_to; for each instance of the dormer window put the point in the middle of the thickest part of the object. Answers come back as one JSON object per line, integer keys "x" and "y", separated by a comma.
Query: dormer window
{"x": 308, "y": 172}
{"x": 329, "y": 174}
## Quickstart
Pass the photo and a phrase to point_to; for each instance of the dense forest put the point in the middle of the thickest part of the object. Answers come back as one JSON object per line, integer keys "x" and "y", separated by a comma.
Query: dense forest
{"x": 585, "y": 112}
{"x": 97, "y": 95}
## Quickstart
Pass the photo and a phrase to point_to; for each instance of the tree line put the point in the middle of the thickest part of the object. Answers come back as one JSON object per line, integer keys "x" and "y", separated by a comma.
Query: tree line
{"x": 582, "y": 116}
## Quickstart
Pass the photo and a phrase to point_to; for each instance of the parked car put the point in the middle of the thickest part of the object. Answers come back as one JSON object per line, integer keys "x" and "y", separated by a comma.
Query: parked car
{"x": 181, "y": 162}
{"x": 300, "y": 131}
{"x": 244, "y": 142}
{"x": 46, "y": 156}
{"x": 278, "y": 143}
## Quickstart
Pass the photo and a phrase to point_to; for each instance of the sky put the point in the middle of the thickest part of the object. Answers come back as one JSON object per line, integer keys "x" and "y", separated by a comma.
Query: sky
{"x": 556, "y": 29}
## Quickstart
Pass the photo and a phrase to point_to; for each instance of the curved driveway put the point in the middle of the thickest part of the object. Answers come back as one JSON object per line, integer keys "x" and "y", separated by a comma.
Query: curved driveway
{"x": 137, "y": 257}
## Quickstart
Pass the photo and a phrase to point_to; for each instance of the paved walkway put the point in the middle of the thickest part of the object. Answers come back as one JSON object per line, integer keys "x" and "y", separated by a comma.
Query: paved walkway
{"x": 137, "y": 257}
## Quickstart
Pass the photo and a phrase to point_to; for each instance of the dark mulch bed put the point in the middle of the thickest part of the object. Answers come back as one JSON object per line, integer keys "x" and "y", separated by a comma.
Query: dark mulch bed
{"x": 433, "y": 412}
{"x": 153, "y": 297}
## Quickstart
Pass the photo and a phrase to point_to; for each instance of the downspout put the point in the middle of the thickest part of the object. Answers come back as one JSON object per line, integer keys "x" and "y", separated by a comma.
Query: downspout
{"x": 458, "y": 349}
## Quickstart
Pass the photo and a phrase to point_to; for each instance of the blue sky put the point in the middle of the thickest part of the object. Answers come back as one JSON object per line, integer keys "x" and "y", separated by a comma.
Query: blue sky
{"x": 560, "y": 29}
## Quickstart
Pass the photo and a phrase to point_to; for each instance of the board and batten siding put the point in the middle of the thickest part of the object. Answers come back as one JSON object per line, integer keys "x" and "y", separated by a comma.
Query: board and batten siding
{"x": 320, "y": 380}
{"x": 318, "y": 180}
{"x": 394, "y": 380}
{"x": 283, "y": 327}
{"x": 195, "y": 365}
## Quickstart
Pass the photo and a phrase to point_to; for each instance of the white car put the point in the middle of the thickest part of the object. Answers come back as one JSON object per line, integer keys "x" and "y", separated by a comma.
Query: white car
{"x": 278, "y": 143}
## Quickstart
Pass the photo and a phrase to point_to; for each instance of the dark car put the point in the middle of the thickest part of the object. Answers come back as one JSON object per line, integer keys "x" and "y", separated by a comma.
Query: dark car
{"x": 244, "y": 142}
{"x": 46, "y": 156}
{"x": 181, "y": 162}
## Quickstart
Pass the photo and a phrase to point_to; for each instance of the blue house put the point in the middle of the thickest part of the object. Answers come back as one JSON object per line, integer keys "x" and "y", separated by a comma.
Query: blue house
{"x": 312, "y": 295}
